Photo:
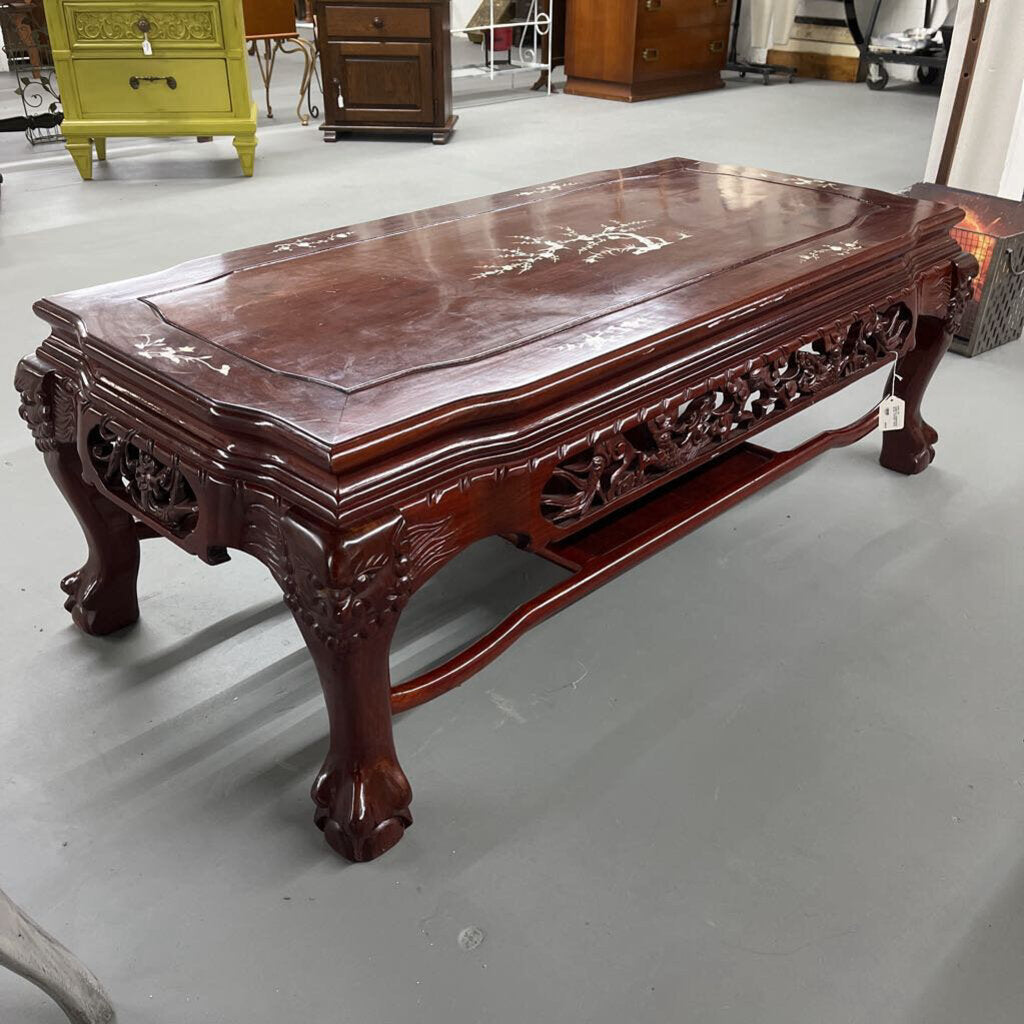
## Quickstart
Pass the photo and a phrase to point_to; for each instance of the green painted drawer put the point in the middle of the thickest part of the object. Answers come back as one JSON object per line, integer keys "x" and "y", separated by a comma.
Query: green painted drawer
{"x": 105, "y": 87}
{"x": 114, "y": 27}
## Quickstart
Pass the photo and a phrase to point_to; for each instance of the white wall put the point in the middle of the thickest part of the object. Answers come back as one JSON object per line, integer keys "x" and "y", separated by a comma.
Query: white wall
{"x": 990, "y": 156}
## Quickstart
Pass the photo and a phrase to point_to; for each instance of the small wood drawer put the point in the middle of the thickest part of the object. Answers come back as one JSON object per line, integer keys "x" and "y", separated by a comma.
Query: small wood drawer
{"x": 345, "y": 22}
{"x": 658, "y": 16}
{"x": 119, "y": 27}
{"x": 149, "y": 87}
{"x": 701, "y": 48}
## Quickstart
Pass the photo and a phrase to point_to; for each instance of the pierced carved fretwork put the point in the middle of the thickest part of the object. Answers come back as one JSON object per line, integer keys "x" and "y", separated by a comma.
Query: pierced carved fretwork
{"x": 683, "y": 430}
{"x": 128, "y": 468}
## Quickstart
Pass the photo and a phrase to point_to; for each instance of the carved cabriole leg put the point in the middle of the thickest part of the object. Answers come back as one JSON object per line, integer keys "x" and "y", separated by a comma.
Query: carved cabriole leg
{"x": 102, "y": 594}
{"x": 37, "y": 956}
{"x": 911, "y": 449}
{"x": 346, "y": 592}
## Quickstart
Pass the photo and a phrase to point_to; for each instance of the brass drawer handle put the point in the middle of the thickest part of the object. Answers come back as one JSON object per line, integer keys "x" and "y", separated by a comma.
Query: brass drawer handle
{"x": 649, "y": 55}
{"x": 717, "y": 46}
{"x": 378, "y": 22}
{"x": 144, "y": 26}
{"x": 136, "y": 80}
{"x": 719, "y": 3}
{"x": 653, "y": 5}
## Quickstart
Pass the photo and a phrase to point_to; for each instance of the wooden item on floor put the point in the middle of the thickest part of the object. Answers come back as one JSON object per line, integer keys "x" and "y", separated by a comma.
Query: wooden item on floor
{"x": 825, "y": 42}
{"x": 37, "y": 956}
{"x": 166, "y": 67}
{"x": 580, "y": 367}
{"x": 271, "y": 28}
{"x": 642, "y": 49}
{"x": 387, "y": 68}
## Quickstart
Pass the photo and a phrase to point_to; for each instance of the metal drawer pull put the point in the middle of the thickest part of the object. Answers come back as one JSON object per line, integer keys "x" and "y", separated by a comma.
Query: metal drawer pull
{"x": 649, "y": 55}
{"x": 719, "y": 3}
{"x": 144, "y": 26}
{"x": 378, "y": 22}
{"x": 717, "y": 46}
{"x": 653, "y": 5}
{"x": 136, "y": 80}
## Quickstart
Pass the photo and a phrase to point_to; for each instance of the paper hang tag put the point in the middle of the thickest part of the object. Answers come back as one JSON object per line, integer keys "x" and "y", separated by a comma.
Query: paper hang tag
{"x": 147, "y": 46}
{"x": 891, "y": 413}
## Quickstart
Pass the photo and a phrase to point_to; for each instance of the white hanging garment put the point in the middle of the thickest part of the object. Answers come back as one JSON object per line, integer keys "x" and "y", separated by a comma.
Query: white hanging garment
{"x": 771, "y": 22}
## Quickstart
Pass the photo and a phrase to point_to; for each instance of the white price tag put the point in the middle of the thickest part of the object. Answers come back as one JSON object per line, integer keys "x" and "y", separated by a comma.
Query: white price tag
{"x": 147, "y": 46}
{"x": 891, "y": 413}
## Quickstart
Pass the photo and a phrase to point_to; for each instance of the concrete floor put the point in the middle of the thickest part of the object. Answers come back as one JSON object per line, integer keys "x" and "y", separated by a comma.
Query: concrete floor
{"x": 774, "y": 774}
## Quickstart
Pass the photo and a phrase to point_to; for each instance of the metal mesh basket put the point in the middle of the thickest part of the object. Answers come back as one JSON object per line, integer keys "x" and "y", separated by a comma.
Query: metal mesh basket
{"x": 993, "y": 232}
{"x": 997, "y": 314}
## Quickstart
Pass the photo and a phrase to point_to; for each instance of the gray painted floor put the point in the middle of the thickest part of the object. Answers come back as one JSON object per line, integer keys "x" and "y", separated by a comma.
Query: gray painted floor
{"x": 774, "y": 774}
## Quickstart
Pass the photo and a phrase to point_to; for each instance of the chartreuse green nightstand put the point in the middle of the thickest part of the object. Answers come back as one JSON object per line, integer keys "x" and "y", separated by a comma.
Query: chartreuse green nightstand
{"x": 159, "y": 67}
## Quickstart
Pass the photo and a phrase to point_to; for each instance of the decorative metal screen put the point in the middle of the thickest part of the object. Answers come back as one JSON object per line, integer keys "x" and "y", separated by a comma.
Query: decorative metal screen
{"x": 26, "y": 43}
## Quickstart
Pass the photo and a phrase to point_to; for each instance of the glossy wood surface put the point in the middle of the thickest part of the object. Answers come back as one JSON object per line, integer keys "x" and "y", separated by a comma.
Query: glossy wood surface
{"x": 579, "y": 367}
{"x": 269, "y": 18}
{"x": 386, "y": 67}
{"x": 641, "y": 49}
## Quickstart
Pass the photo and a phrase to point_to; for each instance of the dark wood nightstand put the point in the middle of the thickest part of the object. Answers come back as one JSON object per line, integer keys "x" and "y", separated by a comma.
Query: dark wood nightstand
{"x": 387, "y": 68}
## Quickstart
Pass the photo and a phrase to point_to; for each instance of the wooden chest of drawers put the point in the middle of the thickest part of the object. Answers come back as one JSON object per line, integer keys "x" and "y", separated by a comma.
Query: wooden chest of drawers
{"x": 641, "y": 49}
{"x": 387, "y": 67}
{"x": 159, "y": 67}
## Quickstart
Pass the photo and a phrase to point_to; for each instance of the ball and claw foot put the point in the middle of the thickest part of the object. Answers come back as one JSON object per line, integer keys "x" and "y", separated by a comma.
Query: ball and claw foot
{"x": 362, "y": 818}
{"x": 908, "y": 451}
{"x": 95, "y": 610}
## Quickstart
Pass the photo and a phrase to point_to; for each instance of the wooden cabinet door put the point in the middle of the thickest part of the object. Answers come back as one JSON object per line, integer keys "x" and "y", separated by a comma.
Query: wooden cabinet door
{"x": 383, "y": 83}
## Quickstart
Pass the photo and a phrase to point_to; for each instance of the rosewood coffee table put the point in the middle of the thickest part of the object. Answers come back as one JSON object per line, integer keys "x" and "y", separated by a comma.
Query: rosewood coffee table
{"x": 579, "y": 367}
